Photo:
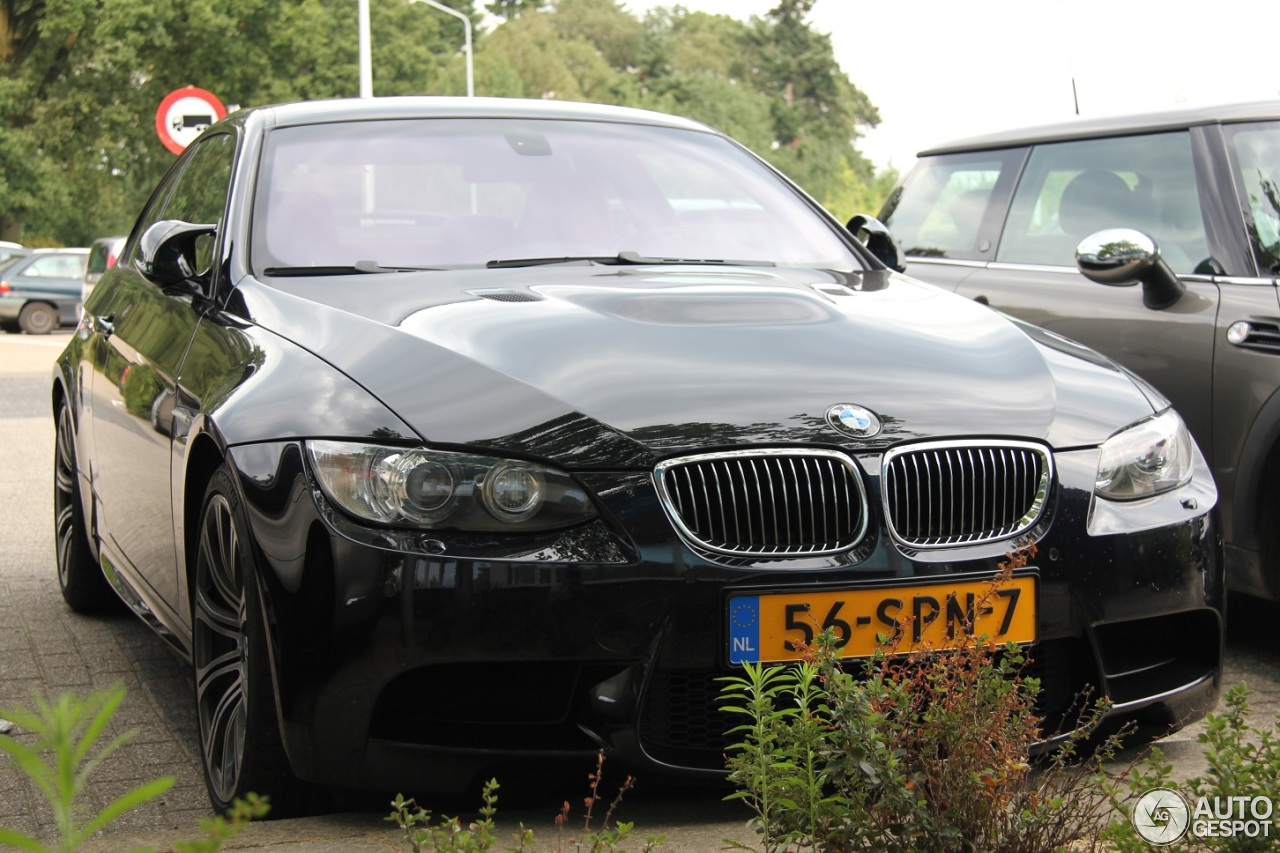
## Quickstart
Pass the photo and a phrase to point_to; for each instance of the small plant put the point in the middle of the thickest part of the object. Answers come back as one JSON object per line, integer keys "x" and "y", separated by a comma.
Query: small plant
{"x": 70, "y": 730}
{"x": 1243, "y": 766}
{"x": 220, "y": 828}
{"x": 448, "y": 834}
{"x": 421, "y": 835}
{"x": 607, "y": 839}
{"x": 924, "y": 750}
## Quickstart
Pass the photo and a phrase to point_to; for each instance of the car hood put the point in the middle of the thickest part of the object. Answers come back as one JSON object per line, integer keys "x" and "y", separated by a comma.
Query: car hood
{"x": 599, "y": 366}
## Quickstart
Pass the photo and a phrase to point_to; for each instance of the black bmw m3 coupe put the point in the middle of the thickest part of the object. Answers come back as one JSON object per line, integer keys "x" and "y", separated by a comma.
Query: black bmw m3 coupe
{"x": 438, "y": 433}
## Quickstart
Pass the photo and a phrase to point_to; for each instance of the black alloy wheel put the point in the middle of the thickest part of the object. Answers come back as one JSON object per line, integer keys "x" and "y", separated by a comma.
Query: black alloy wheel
{"x": 239, "y": 736}
{"x": 83, "y": 585}
{"x": 38, "y": 318}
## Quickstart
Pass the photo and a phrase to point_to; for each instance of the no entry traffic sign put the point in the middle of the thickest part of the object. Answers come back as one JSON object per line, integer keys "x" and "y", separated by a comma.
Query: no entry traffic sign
{"x": 183, "y": 114}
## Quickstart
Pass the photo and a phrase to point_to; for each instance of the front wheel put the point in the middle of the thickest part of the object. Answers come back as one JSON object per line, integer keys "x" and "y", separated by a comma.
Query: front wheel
{"x": 239, "y": 734}
{"x": 83, "y": 585}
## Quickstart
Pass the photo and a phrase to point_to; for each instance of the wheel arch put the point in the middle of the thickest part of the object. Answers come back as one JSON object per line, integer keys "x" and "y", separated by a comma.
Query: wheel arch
{"x": 203, "y": 459}
{"x": 1257, "y": 497}
{"x": 60, "y": 395}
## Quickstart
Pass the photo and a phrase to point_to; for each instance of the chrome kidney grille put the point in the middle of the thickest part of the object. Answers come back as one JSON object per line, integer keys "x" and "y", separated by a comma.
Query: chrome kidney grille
{"x": 765, "y": 503}
{"x": 961, "y": 493}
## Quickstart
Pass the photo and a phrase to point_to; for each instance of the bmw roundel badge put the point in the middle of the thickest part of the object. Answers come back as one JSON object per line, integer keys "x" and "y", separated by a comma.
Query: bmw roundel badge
{"x": 853, "y": 420}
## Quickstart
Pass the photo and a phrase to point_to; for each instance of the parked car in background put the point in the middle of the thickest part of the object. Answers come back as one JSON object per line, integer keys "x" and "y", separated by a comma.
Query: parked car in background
{"x": 999, "y": 219}
{"x": 440, "y": 434}
{"x": 103, "y": 254}
{"x": 40, "y": 291}
{"x": 11, "y": 250}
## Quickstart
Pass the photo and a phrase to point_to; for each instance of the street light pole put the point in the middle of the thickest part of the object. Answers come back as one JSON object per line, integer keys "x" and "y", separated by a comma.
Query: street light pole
{"x": 466, "y": 23}
{"x": 366, "y": 61}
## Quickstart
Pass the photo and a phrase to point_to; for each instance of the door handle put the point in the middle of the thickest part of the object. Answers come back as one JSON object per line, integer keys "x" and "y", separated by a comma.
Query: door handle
{"x": 104, "y": 324}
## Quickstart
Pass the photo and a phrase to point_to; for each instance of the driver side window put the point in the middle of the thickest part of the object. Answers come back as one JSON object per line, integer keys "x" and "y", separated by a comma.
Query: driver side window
{"x": 197, "y": 192}
{"x": 1070, "y": 190}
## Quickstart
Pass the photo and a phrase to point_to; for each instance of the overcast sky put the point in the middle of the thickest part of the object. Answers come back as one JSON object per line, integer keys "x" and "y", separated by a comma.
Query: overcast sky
{"x": 946, "y": 69}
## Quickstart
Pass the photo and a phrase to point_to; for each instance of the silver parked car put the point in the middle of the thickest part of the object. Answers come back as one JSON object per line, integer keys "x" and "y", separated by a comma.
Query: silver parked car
{"x": 40, "y": 291}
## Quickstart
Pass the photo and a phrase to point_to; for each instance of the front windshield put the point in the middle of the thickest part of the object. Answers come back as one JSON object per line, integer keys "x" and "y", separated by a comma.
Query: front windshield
{"x": 467, "y": 192}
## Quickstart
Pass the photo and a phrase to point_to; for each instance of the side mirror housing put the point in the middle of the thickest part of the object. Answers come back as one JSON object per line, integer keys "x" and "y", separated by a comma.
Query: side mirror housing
{"x": 167, "y": 252}
{"x": 874, "y": 234}
{"x": 1121, "y": 257}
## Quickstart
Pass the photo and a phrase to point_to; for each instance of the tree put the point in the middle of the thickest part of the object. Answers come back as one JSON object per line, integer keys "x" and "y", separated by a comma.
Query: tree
{"x": 83, "y": 78}
{"x": 508, "y": 9}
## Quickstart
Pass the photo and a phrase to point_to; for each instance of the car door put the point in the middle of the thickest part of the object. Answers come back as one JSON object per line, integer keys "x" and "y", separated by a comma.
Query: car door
{"x": 141, "y": 334}
{"x": 1068, "y": 190}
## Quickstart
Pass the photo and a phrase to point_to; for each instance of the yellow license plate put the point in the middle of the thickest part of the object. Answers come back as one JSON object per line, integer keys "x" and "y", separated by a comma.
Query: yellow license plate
{"x": 765, "y": 627}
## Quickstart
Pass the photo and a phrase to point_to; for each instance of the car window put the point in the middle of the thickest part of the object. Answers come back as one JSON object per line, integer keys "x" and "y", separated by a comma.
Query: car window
{"x": 457, "y": 192}
{"x": 195, "y": 193}
{"x": 56, "y": 266}
{"x": 1070, "y": 190}
{"x": 938, "y": 210}
{"x": 1257, "y": 151}
{"x": 102, "y": 255}
{"x": 200, "y": 195}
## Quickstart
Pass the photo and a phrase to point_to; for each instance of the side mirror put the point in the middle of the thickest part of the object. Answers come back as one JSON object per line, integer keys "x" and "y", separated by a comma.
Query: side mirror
{"x": 874, "y": 234}
{"x": 167, "y": 252}
{"x": 1121, "y": 257}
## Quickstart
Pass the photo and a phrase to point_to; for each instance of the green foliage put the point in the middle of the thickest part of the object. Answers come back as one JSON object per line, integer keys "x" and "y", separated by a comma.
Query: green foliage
{"x": 448, "y": 834}
{"x": 926, "y": 750}
{"x": 70, "y": 730}
{"x": 220, "y": 828}
{"x": 1242, "y": 761}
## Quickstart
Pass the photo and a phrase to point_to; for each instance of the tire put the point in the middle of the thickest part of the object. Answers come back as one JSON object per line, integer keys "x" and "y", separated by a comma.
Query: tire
{"x": 240, "y": 743}
{"x": 38, "y": 318}
{"x": 83, "y": 585}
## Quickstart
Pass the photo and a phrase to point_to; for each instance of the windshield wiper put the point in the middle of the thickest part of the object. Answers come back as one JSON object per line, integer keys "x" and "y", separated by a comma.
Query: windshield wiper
{"x": 621, "y": 259}
{"x": 358, "y": 268}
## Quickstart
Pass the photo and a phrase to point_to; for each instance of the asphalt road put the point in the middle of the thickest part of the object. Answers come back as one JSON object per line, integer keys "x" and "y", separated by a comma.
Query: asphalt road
{"x": 44, "y": 646}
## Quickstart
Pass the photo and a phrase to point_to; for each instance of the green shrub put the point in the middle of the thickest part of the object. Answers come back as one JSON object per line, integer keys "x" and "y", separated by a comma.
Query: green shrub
{"x": 1242, "y": 761}
{"x": 925, "y": 750}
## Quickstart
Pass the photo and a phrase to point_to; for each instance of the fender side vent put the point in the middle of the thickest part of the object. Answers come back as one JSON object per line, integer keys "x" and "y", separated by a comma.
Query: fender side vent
{"x": 1261, "y": 335}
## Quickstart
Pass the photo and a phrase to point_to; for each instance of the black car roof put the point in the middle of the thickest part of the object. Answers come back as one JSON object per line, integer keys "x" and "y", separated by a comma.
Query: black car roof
{"x": 1094, "y": 127}
{"x": 357, "y": 109}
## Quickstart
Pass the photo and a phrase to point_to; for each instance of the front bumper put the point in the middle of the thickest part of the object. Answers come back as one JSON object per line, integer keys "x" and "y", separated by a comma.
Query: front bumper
{"x": 401, "y": 665}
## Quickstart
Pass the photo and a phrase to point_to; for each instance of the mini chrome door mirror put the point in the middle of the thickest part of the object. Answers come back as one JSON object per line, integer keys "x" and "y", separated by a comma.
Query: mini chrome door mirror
{"x": 1121, "y": 257}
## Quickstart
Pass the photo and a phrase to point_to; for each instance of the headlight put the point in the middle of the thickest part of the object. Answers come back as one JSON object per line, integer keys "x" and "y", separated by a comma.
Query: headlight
{"x": 437, "y": 489}
{"x": 1145, "y": 459}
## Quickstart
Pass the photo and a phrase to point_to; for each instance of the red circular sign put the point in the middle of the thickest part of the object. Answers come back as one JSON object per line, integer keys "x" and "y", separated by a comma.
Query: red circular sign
{"x": 184, "y": 114}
